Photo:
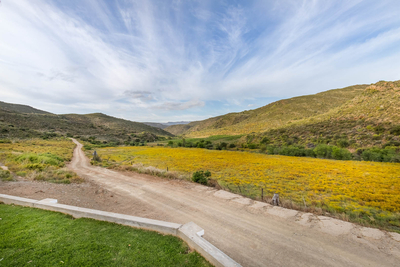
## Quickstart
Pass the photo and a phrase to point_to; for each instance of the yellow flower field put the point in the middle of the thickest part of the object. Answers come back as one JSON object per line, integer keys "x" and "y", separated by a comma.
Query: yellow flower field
{"x": 344, "y": 186}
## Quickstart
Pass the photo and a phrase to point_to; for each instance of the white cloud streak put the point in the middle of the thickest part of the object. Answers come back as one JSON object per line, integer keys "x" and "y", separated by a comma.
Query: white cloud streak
{"x": 170, "y": 58}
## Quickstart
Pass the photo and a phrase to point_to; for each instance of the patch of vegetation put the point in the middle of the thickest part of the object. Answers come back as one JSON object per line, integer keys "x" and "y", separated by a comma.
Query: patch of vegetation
{"x": 43, "y": 238}
{"x": 5, "y": 175}
{"x": 201, "y": 177}
{"x": 41, "y": 160}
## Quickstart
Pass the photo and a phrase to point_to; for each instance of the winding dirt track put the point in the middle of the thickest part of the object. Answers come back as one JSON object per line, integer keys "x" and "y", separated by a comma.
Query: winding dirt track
{"x": 246, "y": 230}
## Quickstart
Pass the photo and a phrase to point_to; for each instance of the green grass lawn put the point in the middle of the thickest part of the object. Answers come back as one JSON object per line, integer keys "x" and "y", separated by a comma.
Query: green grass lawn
{"x": 34, "y": 237}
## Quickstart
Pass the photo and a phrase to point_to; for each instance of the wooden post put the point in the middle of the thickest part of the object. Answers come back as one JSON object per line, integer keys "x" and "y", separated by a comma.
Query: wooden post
{"x": 275, "y": 200}
{"x": 262, "y": 194}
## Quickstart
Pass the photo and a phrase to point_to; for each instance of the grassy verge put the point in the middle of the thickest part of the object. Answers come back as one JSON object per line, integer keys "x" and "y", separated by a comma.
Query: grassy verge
{"x": 367, "y": 193}
{"x": 41, "y": 160}
{"x": 33, "y": 237}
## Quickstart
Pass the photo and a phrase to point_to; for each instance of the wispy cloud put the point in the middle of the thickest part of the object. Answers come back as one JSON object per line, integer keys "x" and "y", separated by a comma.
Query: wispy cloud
{"x": 172, "y": 59}
{"x": 179, "y": 105}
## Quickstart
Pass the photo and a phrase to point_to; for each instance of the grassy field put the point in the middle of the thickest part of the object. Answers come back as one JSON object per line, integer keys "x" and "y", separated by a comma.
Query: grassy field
{"x": 37, "y": 159}
{"x": 364, "y": 192}
{"x": 33, "y": 237}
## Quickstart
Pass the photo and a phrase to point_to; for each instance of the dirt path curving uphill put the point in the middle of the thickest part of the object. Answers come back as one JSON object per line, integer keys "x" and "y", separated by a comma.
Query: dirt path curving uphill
{"x": 252, "y": 233}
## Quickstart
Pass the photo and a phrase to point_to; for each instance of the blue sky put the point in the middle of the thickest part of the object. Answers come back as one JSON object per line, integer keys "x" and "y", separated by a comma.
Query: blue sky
{"x": 189, "y": 60}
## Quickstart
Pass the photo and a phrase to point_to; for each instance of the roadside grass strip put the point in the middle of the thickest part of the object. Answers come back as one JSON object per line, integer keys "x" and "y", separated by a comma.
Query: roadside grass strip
{"x": 34, "y": 237}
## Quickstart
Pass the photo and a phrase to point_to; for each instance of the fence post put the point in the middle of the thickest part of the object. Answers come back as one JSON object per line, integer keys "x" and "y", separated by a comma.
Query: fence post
{"x": 262, "y": 194}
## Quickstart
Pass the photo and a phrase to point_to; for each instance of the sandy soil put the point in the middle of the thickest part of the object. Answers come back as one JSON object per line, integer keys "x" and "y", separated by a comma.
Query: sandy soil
{"x": 251, "y": 232}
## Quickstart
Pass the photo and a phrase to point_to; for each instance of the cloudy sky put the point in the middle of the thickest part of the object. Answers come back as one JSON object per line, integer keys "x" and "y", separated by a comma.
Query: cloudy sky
{"x": 172, "y": 60}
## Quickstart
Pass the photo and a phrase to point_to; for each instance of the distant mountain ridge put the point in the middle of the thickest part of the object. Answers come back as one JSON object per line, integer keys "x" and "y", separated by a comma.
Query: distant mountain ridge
{"x": 165, "y": 125}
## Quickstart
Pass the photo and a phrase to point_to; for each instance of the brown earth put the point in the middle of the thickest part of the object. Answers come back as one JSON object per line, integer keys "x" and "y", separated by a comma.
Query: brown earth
{"x": 251, "y": 232}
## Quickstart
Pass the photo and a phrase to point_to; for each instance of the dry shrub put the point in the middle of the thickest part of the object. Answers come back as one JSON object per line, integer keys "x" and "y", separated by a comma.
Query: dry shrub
{"x": 214, "y": 183}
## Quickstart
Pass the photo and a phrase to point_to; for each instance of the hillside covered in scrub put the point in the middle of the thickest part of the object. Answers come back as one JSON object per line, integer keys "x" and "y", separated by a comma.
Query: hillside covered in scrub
{"x": 271, "y": 116}
{"x": 372, "y": 118}
{"x": 23, "y": 122}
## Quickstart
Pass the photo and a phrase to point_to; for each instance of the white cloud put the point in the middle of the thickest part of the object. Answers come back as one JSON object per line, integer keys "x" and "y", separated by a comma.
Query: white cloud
{"x": 143, "y": 57}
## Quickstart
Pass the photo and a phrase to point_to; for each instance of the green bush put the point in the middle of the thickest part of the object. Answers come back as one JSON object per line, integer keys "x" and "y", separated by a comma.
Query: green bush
{"x": 34, "y": 166}
{"x": 201, "y": 177}
{"x": 395, "y": 130}
{"x": 265, "y": 140}
{"x": 46, "y": 158}
{"x": 323, "y": 151}
{"x": 5, "y": 175}
{"x": 252, "y": 146}
{"x": 341, "y": 154}
{"x": 342, "y": 143}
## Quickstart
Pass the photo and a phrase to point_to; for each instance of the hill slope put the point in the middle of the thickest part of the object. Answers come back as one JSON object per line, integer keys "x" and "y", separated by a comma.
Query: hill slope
{"x": 271, "y": 116}
{"x": 372, "y": 118}
{"x": 14, "y": 124}
{"x": 21, "y": 108}
{"x": 165, "y": 125}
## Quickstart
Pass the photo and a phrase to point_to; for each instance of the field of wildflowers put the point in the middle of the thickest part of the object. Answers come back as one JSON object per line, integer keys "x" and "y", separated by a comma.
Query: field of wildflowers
{"x": 361, "y": 190}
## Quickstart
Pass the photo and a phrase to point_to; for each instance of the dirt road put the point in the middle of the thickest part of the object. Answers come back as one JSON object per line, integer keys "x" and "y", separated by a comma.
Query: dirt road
{"x": 252, "y": 233}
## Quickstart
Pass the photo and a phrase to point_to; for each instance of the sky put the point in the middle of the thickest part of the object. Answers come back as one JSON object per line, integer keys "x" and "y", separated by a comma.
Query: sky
{"x": 176, "y": 60}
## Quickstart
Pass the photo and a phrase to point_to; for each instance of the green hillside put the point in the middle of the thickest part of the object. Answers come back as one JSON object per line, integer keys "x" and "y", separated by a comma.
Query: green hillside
{"x": 103, "y": 127}
{"x": 21, "y": 108}
{"x": 274, "y": 115}
{"x": 372, "y": 118}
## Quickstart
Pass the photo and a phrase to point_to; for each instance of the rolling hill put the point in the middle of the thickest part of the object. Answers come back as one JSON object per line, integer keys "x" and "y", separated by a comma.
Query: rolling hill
{"x": 370, "y": 119}
{"x": 21, "y": 108}
{"x": 24, "y": 121}
{"x": 271, "y": 116}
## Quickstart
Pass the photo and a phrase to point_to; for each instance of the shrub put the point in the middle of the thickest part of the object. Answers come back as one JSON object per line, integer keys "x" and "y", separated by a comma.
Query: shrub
{"x": 395, "y": 130}
{"x": 265, "y": 140}
{"x": 252, "y": 146}
{"x": 379, "y": 129}
{"x": 223, "y": 145}
{"x": 323, "y": 151}
{"x": 201, "y": 177}
{"x": 341, "y": 153}
{"x": 342, "y": 143}
{"x": 5, "y": 175}
{"x": 201, "y": 145}
{"x": 370, "y": 155}
{"x": 232, "y": 146}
